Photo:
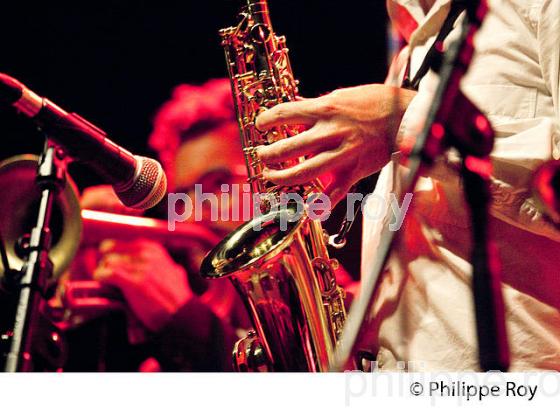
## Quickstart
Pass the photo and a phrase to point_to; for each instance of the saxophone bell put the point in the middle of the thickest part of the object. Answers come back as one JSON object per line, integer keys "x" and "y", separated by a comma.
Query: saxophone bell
{"x": 278, "y": 264}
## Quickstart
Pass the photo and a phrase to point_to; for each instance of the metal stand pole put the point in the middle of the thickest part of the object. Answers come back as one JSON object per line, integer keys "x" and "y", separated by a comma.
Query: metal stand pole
{"x": 453, "y": 121}
{"x": 38, "y": 267}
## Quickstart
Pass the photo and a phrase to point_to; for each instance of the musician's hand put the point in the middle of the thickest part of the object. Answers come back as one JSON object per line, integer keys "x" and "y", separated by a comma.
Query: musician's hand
{"x": 154, "y": 286}
{"x": 350, "y": 134}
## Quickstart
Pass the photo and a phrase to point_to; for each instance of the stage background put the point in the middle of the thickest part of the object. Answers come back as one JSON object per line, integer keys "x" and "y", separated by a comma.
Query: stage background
{"x": 115, "y": 62}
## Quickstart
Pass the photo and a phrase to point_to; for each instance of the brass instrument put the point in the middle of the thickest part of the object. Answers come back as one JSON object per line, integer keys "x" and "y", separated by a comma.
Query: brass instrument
{"x": 83, "y": 299}
{"x": 98, "y": 226}
{"x": 18, "y": 209}
{"x": 73, "y": 228}
{"x": 284, "y": 276}
{"x": 18, "y": 214}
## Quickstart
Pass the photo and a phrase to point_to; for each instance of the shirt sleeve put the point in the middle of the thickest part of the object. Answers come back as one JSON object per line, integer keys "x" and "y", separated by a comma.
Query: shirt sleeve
{"x": 522, "y": 143}
{"x": 548, "y": 36}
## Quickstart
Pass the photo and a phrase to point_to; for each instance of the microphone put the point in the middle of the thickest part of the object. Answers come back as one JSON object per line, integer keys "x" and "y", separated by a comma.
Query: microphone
{"x": 139, "y": 182}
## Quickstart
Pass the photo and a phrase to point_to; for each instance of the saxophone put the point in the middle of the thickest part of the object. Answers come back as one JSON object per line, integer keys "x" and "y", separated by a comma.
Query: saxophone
{"x": 284, "y": 276}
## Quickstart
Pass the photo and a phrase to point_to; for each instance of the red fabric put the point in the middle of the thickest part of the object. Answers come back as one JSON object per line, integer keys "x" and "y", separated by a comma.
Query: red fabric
{"x": 403, "y": 20}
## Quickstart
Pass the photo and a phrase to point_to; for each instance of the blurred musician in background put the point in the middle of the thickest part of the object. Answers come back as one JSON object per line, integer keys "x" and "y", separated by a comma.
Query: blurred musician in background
{"x": 424, "y": 314}
{"x": 191, "y": 322}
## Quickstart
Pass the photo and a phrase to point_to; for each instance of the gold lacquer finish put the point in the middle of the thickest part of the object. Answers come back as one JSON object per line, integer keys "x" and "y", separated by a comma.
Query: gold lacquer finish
{"x": 284, "y": 276}
{"x": 18, "y": 211}
{"x": 82, "y": 300}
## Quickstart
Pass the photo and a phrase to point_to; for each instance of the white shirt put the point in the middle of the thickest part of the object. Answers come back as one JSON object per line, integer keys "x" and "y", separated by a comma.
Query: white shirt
{"x": 424, "y": 309}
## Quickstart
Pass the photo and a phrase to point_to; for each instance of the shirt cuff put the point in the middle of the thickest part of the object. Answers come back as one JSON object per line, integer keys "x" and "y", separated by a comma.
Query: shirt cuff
{"x": 413, "y": 121}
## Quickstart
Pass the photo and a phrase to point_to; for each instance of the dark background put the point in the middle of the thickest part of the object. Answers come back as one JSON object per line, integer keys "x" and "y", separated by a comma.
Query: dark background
{"x": 115, "y": 62}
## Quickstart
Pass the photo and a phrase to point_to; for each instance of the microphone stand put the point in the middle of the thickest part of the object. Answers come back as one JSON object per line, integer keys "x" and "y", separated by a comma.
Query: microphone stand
{"x": 37, "y": 269}
{"x": 453, "y": 121}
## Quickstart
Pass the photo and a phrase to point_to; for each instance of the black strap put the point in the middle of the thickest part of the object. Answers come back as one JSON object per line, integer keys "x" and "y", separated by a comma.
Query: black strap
{"x": 433, "y": 56}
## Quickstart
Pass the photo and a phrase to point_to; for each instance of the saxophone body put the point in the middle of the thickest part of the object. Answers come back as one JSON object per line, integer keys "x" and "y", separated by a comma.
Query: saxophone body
{"x": 283, "y": 274}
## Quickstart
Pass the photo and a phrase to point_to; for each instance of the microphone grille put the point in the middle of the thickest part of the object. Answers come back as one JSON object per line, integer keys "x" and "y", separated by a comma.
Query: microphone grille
{"x": 148, "y": 187}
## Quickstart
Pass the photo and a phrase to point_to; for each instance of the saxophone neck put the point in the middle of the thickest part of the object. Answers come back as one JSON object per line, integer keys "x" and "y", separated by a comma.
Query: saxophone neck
{"x": 258, "y": 9}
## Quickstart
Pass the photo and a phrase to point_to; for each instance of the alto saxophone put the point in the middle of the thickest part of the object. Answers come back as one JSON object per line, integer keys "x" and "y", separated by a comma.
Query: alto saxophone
{"x": 284, "y": 276}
